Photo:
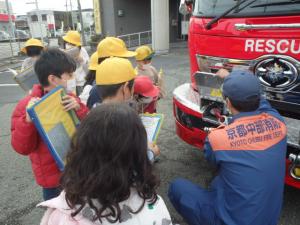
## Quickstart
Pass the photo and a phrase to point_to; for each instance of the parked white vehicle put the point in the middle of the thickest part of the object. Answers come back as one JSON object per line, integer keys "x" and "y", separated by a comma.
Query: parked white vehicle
{"x": 4, "y": 36}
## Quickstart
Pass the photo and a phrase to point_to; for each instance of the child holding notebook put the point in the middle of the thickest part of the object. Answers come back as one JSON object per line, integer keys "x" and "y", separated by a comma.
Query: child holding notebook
{"x": 53, "y": 68}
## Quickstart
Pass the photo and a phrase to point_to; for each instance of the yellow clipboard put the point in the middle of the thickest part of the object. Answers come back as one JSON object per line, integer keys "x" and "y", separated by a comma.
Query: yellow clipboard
{"x": 54, "y": 124}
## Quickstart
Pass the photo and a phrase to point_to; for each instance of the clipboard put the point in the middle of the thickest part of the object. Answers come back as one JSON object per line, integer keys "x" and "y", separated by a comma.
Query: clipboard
{"x": 73, "y": 52}
{"x": 55, "y": 126}
{"x": 152, "y": 124}
{"x": 26, "y": 78}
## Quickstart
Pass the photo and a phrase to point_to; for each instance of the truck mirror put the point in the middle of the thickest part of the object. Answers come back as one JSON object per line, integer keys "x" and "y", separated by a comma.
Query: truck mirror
{"x": 186, "y": 7}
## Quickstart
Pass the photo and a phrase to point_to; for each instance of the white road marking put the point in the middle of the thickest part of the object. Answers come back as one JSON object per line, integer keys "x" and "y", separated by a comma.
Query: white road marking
{"x": 9, "y": 85}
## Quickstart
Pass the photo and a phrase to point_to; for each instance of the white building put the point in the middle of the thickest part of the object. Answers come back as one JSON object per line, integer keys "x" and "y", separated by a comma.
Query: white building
{"x": 4, "y": 18}
{"x": 87, "y": 17}
{"x": 46, "y": 23}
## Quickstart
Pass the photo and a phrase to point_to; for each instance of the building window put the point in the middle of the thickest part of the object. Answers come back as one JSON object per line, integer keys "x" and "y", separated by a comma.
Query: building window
{"x": 44, "y": 17}
{"x": 34, "y": 18}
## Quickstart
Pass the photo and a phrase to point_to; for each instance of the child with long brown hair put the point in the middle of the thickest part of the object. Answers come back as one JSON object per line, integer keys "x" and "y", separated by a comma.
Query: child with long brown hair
{"x": 108, "y": 178}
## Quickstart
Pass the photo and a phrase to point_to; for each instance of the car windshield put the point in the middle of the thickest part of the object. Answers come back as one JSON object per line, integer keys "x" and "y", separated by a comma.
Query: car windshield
{"x": 212, "y": 8}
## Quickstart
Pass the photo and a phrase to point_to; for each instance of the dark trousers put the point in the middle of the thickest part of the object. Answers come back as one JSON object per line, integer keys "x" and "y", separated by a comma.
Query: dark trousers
{"x": 49, "y": 193}
{"x": 193, "y": 203}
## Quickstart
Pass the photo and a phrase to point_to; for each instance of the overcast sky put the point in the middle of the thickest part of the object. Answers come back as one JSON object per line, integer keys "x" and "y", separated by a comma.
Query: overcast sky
{"x": 21, "y": 8}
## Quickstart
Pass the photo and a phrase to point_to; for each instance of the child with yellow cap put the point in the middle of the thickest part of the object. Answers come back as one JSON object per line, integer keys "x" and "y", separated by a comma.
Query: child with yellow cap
{"x": 71, "y": 40}
{"x": 33, "y": 49}
{"x": 115, "y": 79}
{"x": 144, "y": 67}
{"x": 108, "y": 47}
{"x": 90, "y": 78}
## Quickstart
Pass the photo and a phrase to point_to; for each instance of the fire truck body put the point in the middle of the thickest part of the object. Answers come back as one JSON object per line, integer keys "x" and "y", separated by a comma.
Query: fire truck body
{"x": 265, "y": 41}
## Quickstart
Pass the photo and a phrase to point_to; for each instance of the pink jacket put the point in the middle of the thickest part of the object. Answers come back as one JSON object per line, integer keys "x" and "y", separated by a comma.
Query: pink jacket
{"x": 59, "y": 213}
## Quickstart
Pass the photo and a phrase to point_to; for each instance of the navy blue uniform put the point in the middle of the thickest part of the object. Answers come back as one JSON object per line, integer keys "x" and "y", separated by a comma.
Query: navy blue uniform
{"x": 94, "y": 97}
{"x": 250, "y": 154}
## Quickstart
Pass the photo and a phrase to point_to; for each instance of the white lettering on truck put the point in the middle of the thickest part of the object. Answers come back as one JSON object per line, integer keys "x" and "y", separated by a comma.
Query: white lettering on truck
{"x": 272, "y": 46}
{"x": 281, "y": 47}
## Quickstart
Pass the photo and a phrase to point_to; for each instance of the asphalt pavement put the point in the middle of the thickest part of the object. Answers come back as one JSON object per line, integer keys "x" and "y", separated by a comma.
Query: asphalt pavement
{"x": 19, "y": 193}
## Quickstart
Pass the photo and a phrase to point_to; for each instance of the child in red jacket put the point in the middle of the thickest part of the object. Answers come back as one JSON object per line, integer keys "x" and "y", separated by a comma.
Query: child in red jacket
{"x": 53, "y": 68}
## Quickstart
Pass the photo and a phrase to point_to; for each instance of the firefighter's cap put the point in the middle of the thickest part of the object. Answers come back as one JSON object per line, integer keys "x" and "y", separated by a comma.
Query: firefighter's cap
{"x": 114, "y": 70}
{"x": 241, "y": 86}
{"x": 112, "y": 46}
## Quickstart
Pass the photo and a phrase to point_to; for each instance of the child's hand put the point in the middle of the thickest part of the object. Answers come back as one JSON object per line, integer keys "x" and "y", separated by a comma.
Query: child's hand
{"x": 69, "y": 103}
{"x": 31, "y": 102}
{"x": 154, "y": 148}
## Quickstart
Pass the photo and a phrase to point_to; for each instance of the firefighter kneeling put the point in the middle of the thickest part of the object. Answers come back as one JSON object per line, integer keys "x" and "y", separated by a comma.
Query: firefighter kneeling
{"x": 250, "y": 182}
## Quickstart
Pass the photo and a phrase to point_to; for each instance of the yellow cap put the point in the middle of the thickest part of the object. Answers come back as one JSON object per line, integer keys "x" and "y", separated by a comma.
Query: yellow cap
{"x": 32, "y": 42}
{"x": 114, "y": 70}
{"x": 143, "y": 52}
{"x": 93, "y": 61}
{"x": 112, "y": 46}
{"x": 72, "y": 37}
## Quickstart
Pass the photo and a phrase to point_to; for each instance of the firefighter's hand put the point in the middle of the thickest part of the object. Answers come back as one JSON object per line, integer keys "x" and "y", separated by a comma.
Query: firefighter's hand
{"x": 154, "y": 148}
{"x": 222, "y": 73}
{"x": 31, "y": 102}
{"x": 69, "y": 103}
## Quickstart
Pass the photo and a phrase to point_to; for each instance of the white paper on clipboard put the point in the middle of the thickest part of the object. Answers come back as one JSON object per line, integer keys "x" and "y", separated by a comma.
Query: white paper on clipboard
{"x": 152, "y": 125}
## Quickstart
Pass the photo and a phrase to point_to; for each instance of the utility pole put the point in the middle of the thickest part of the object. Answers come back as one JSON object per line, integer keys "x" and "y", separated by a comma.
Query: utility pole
{"x": 71, "y": 15}
{"x": 81, "y": 21}
{"x": 11, "y": 28}
{"x": 67, "y": 19}
{"x": 40, "y": 21}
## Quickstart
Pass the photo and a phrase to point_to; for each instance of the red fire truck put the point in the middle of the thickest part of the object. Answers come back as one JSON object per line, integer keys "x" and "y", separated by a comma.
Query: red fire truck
{"x": 259, "y": 35}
